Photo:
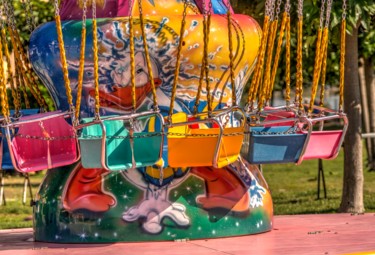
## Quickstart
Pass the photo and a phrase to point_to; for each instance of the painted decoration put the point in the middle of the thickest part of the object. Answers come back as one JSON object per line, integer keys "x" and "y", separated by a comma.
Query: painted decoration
{"x": 81, "y": 205}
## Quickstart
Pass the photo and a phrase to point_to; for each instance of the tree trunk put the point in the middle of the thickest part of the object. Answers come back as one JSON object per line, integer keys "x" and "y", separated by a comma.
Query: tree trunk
{"x": 365, "y": 111}
{"x": 370, "y": 85}
{"x": 352, "y": 192}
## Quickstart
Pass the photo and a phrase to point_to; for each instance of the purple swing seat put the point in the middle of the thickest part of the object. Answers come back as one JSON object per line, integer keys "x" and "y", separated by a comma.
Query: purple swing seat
{"x": 43, "y": 141}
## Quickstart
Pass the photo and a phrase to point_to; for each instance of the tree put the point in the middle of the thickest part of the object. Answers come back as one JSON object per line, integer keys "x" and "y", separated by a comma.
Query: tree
{"x": 352, "y": 192}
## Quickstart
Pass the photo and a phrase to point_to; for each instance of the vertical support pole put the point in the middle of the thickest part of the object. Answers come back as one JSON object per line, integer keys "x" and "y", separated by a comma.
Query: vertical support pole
{"x": 26, "y": 185}
{"x": 2, "y": 195}
{"x": 321, "y": 177}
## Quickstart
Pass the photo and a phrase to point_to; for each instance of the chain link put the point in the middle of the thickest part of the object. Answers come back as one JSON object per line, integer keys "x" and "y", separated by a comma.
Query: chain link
{"x": 321, "y": 20}
{"x": 59, "y": 138}
{"x": 344, "y": 9}
{"x": 210, "y": 6}
{"x": 288, "y": 132}
{"x": 278, "y": 9}
{"x": 272, "y": 9}
{"x": 9, "y": 12}
{"x": 56, "y": 6}
{"x": 300, "y": 9}
{"x": 93, "y": 6}
{"x": 84, "y": 14}
{"x": 2, "y": 15}
{"x": 287, "y": 7}
{"x": 268, "y": 6}
{"x": 178, "y": 59}
{"x": 28, "y": 15}
{"x": 328, "y": 14}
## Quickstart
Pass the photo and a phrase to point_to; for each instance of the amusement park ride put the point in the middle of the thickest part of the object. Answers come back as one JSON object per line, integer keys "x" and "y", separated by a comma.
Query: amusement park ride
{"x": 148, "y": 141}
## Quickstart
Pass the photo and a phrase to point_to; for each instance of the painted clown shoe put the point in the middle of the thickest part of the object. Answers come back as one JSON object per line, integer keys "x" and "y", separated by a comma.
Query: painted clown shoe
{"x": 100, "y": 206}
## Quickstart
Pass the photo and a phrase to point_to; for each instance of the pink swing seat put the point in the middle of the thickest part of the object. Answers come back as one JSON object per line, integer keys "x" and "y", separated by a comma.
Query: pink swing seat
{"x": 42, "y": 141}
{"x": 323, "y": 144}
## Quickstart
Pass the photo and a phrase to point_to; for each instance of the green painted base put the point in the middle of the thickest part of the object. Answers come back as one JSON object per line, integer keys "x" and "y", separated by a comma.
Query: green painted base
{"x": 76, "y": 205}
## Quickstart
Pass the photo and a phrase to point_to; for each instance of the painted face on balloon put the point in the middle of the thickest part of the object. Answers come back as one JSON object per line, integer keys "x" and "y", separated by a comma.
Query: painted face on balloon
{"x": 119, "y": 94}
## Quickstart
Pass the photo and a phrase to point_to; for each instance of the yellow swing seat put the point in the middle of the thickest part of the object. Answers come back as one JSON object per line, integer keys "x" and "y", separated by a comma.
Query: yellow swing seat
{"x": 205, "y": 144}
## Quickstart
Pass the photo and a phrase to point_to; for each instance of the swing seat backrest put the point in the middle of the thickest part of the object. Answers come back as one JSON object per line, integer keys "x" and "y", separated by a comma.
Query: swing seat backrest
{"x": 42, "y": 142}
{"x": 91, "y": 142}
{"x": 274, "y": 144}
{"x": 116, "y": 150}
{"x": 208, "y": 145}
{"x": 275, "y": 114}
{"x": 323, "y": 144}
{"x": 6, "y": 163}
{"x": 141, "y": 149}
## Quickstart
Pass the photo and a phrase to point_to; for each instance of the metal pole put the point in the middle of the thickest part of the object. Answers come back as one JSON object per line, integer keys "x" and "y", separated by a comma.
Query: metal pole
{"x": 2, "y": 195}
{"x": 321, "y": 176}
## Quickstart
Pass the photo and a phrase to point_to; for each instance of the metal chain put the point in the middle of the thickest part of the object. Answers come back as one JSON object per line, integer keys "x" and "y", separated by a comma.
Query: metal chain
{"x": 231, "y": 57}
{"x": 272, "y": 9}
{"x": 300, "y": 9}
{"x": 278, "y": 9}
{"x": 321, "y": 19}
{"x": 56, "y": 6}
{"x": 328, "y": 14}
{"x": 132, "y": 58}
{"x": 289, "y": 131}
{"x": 343, "y": 10}
{"x": 287, "y": 7}
{"x": 9, "y": 12}
{"x": 299, "y": 75}
{"x": 44, "y": 138}
{"x": 204, "y": 63}
{"x": 342, "y": 56}
{"x": 84, "y": 13}
{"x": 28, "y": 15}
{"x": 177, "y": 70}
{"x": 2, "y": 23}
{"x": 147, "y": 55}
{"x": 81, "y": 64}
{"x": 93, "y": 6}
{"x": 204, "y": 7}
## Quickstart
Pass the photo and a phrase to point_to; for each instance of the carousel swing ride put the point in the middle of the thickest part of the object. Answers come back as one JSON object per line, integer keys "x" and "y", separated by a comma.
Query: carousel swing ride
{"x": 156, "y": 145}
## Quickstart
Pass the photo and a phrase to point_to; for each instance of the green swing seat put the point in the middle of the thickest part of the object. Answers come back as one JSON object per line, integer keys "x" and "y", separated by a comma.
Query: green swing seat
{"x": 108, "y": 144}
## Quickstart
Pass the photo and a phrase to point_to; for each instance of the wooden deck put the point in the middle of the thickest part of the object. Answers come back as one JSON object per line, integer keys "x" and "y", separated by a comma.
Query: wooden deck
{"x": 298, "y": 234}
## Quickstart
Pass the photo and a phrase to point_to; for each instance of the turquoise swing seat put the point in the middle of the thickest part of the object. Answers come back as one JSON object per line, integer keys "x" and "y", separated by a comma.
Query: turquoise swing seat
{"x": 90, "y": 142}
{"x": 115, "y": 149}
{"x": 278, "y": 144}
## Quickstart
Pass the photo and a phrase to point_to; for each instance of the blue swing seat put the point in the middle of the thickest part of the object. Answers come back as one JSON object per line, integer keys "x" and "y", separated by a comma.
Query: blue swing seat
{"x": 274, "y": 144}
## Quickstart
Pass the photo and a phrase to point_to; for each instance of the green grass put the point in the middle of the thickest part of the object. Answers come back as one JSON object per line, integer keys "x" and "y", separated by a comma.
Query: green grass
{"x": 294, "y": 188}
{"x": 14, "y": 214}
{"x": 294, "y": 191}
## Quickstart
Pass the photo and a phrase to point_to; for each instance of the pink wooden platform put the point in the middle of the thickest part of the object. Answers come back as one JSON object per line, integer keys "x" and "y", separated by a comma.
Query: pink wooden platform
{"x": 298, "y": 234}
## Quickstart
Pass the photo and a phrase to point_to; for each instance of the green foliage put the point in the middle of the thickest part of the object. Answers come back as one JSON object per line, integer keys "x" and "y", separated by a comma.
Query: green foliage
{"x": 358, "y": 12}
{"x": 42, "y": 12}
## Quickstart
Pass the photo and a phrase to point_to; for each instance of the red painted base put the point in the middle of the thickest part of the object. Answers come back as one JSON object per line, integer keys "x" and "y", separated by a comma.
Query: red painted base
{"x": 298, "y": 234}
